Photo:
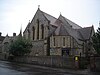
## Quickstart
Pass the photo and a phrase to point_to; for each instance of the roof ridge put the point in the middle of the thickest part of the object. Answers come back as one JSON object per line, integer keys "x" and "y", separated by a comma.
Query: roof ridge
{"x": 70, "y": 21}
{"x": 64, "y": 18}
{"x": 87, "y": 27}
{"x": 48, "y": 14}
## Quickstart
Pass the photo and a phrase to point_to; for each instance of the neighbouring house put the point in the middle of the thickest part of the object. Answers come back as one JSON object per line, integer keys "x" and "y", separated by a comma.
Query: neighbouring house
{"x": 1, "y": 40}
{"x": 4, "y": 45}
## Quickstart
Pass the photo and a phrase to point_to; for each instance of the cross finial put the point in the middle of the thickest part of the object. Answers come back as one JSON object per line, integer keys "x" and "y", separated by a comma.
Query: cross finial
{"x": 38, "y": 6}
{"x": 60, "y": 13}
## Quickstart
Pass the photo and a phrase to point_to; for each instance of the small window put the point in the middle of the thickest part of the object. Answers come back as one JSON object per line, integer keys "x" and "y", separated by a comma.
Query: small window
{"x": 33, "y": 32}
{"x": 37, "y": 28}
{"x": 42, "y": 28}
{"x": 48, "y": 28}
{"x": 63, "y": 41}
{"x": 54, "y": 41}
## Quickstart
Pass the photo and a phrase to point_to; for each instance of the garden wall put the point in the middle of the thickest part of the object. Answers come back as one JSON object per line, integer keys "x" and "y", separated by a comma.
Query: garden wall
{"x": 53, "y": 61}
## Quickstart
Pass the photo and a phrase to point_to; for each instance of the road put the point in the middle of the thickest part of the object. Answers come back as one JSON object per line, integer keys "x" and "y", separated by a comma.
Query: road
{"x": 11, "y": 68}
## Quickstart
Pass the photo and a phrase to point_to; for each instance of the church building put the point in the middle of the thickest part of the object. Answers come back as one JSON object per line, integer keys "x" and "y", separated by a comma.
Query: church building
{"x": 58, "y": 36}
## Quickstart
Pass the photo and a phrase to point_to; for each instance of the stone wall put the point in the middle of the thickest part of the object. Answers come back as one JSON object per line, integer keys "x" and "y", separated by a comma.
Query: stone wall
{"x": 95, "y": 63}
{"x": 38, "y": 48}
{"x": 53, "y": 61}
{"x": 3, "y": 56}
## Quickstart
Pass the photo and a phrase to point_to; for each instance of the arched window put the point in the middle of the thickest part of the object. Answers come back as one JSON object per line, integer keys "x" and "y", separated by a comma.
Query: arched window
{"x": 37, "y": 28}
{"x": 33, "y": 32}
{"x": 42, "y": 28}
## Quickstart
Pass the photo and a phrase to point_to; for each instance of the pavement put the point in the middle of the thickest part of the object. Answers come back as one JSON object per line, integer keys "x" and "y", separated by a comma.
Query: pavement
{"x": 72, "y": 71}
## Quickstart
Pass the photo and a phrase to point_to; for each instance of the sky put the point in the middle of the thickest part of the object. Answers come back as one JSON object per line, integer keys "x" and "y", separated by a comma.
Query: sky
{"x": 15, "y": 14}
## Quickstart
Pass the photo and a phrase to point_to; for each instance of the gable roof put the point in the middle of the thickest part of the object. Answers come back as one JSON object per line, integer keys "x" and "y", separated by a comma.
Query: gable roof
{"x": 50, "y": 18}
{"x": 69, "y": 22}
{"x": 74, "y": 34}
{"x": 85, "y": 32}
{"x": 47, "y": 16}
{"x": 64, "y": 30}
{"x": 61, "y": 31}
{"x": 63, "y": 26}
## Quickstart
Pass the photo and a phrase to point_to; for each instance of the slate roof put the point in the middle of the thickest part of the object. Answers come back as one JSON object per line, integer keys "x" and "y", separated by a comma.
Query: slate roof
{"x": 61, "y": 31}
{"x": 63, "y": 26}
{"x": 78, "y": 33}
{"x": 74, "y": 34}
{"x": 74, "y": 26}
{"x": 9, "y": 38}
{"x": 69, "y": 22}
{"x": 85, "y": 32}
{"x": 50, "y": 18}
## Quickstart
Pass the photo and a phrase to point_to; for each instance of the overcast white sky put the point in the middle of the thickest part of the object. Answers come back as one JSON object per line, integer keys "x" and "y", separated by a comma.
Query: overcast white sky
{"x": 14, "y": 13}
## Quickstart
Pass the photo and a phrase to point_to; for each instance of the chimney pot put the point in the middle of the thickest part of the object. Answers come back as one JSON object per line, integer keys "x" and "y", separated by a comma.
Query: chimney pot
{"x": 0, "y": 33}
{"x": 14, "y": 34}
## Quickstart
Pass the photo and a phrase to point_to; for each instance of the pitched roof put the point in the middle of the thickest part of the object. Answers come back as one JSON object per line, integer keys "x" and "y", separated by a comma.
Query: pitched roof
{"x": 47, "y": 16}
{"x": 69, "y": 22}
{"x": 9, "y": 38}
{"x": 74, "y": 34}
{"x": 64, "y": 29}
{"x": 50, "y": 18}
{"x": 61, "y": 31}
{"x": 85, "y": 32}
{"x": 63, "y": 26}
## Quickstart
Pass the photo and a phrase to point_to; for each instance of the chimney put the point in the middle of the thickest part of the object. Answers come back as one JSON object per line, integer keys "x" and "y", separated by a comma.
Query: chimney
{"x": 14, "y": 34}
{"x": 0, "y": 33}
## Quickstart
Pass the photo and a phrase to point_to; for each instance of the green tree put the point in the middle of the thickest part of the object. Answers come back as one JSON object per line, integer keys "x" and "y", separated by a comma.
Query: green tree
{"x": 96, "y": 41}
{"x": 20, "y": 47}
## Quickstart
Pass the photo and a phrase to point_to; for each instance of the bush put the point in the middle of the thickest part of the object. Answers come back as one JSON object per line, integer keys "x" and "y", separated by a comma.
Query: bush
{"x": 20, "y": 47}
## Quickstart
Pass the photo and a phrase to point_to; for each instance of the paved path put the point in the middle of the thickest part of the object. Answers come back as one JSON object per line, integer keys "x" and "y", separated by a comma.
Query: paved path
{"x": 11, "y": 68}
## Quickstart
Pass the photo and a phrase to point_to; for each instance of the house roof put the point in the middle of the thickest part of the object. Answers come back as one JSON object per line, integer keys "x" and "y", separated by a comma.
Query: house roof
{"x": 63, "y": 26}
{"x": 74, "y": 34}
{"x": 61, "y": 31}
{"x": 85, "y": 32}
{"x": 77, "y": 32}
{"x": 47, "y": 16}
{"x": 9, "y": 38}
{"x": 50, "y": 18}
{"x": 69, "y": 22}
